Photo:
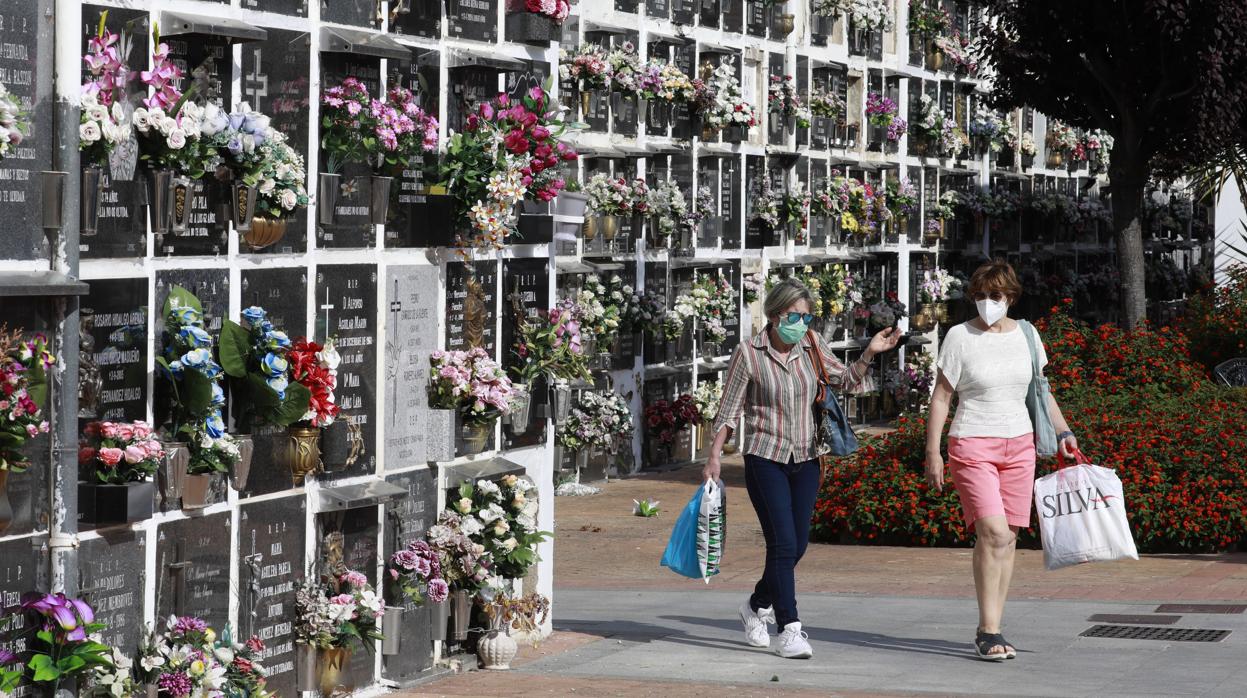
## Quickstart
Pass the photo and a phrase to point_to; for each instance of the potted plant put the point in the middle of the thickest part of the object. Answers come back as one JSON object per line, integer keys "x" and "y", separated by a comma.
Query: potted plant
{"x": 589, "y": 70}
{"x": 721, "y": 105}
{"x": 599, "y": 422}
{"x": 609, "y": 198}
{"x": 497, "y": 648}
{"x": 315, "y": 367}
{"x": 23, "y": 377}
{"x": 253, "y": 356}
{"x": 714, "y": 302}
{"x": 475, "y": 387}
{"x": 768, "y": 212}
{"x": 665, "y": 419}
{"x": 103, "y": 117}
{"x": 60, "y": 650}
{"x": 501, "y": 517}
{"x": 788, "y": 112}
{"x": 706, "y": 396}
{"x": 667, "y": 208}
{"x": 927, "y": 22}
{"x": 535, "y": 21}
{"x": 414, "y": 576}
{"x": 465, "y": 566}
{"x": 169, "y": 127}
{"x": 333, "y": 614}
{"x": 626, "y": 72}
{"x": 195, "y": 426}
{"x": 825, "y": 14}
{"x": 122, "y": 458}
{"x": 902, "y": 198}
{"x": 180, "y": 660}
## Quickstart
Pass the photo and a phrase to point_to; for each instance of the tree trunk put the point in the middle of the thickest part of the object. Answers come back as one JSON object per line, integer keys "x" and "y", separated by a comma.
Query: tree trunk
{"x": 1127, "y": 197}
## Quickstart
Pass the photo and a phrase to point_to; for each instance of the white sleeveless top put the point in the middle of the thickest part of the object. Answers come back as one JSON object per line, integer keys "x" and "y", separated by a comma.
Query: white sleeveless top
{"x": 990, "y": 372}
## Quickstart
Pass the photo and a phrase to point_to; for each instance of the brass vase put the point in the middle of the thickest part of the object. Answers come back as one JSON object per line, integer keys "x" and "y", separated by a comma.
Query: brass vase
{"x": 610, "y": 226}
{"x": 302, "y": 452}
{"x": 590, "y": 228}
{"x": 585, "y": 98}
{"x": 935, "y": 57}
{"x": 264, "y": 232}
{"x": 333, "y": 671}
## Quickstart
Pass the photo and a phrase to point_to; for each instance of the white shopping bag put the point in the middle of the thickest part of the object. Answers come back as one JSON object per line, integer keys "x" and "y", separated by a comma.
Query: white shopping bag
{"x": 1082, "y": 516}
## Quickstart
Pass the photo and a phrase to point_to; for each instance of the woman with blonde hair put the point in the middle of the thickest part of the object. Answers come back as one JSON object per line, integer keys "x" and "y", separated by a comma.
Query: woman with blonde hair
{"x": 773, "y": 381}
{"x": 987, "y": 363}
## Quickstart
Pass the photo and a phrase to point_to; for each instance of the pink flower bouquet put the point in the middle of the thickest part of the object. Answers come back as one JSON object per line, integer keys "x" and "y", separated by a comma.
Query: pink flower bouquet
{"x": 471, "y": 383}
{"x": 121, "y": 452}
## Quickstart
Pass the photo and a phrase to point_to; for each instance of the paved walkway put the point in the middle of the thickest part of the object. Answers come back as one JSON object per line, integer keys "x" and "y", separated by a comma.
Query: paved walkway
{"x": 883, "y": 621}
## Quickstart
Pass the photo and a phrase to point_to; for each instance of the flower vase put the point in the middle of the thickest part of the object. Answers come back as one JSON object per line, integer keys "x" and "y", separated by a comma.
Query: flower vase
{"x": 571, "y": 203}
{"x": 6, "y": 508}
{"x": 610, "y": 226}
{"x": 589, "y": 230}
{"x": 159, "y": 191}
{"x": 476, "y": 437}
{"x": 517, "y": 419}
{"x": 441, "y": 617}
{"x": 783, "y": 24}
{"x": 244, "y": 207}
{"x": 735, "y": 133}
{"x": 151, "y": 690}
{"x": 654, "y": 236}
{"x": 302, "y": 452}
{"x": 180, "y": 204}
{"x": 305, "y": 668}
{"x": 91, "y": 178}
{"x": 391, "y": 630}
{"x": 496, "y": 650}
{"x": 941, "y": 312}
{"x": 100, "y": 503}
{"x": 1055, "y": 159}
{"x": 241, "y": 470}
{"x": 935, "y": 57}
{"x": 264, "y": 232}
{"x": 380, "y": 199}
{"x": 198, "y": 492}
{"x": 333, "y": 671}
{"x": 172, "y": 472}
{"x": 461, "y": 611}
{"x": 329, "y": 188}
{"x": 585, "y": 98}
{"x": 560, "y": 401}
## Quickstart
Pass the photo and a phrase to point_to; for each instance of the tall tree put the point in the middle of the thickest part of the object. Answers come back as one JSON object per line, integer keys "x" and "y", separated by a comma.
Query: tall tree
{"x": 1166, "y": 78}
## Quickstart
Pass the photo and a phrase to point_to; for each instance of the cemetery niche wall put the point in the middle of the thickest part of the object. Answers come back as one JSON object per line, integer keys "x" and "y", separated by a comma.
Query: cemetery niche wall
{"x": 830, "y": 165}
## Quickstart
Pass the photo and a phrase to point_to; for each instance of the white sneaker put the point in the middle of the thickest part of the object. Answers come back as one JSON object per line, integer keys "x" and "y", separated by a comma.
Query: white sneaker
{"x": 755, "y": 624}
{"x": 792, "y": 643}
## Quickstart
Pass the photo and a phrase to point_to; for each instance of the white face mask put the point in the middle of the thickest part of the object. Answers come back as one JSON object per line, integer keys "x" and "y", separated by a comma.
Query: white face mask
{"x": 991, "y": 311}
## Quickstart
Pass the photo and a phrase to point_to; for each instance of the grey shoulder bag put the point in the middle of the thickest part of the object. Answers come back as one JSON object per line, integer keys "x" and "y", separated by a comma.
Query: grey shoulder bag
{"x": 1037, "y": 398}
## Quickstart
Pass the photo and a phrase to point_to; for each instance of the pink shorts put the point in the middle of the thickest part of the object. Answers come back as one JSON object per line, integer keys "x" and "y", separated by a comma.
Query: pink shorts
{"x": 994, "y": 477}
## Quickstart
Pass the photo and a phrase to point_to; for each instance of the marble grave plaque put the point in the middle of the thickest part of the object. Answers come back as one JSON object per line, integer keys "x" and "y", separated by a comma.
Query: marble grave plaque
{"x": 361, "y": 13}
{"x": 112, "y": 369}
{"x": 415, "y": 18}
{"x": 756, "y": 16}
{"x": 20, "y": 573}
{"x": 193, "y": 568}
{"x": 407, "y": 520}
{"x": 275, "y": 81}
{"x": 27, "y": 491}
{"x": 207, "y": 63}
{"x": 297, "y": 8}
{"x": 360, "y": 550}
{"x": 352, "y": 226}
{"x": 283, "y": 294}
{"x": 414, "y": 434}
{"x": 271, "y": 565}
{"x": 684, "y": 11}
{"x": 525, "y": 289}
{"x": 658, "y": 9}
{"x": 21, "y": 26}
{"x": 122, "y": 227}
{"x": 472, "y": 19}
{"x": 112, "y": 577}
{"x": 346, "y": 309}
{"x": 471, "y": 306}
{"x": 408, "y": 219}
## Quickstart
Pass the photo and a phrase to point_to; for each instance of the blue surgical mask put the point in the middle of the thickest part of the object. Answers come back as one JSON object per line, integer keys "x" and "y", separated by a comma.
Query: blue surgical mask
{"x": 791, "y": 332}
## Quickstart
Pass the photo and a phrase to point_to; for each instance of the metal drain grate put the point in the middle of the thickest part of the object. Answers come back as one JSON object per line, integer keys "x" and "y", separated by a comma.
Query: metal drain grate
{"x": 1201, "y": 608}
{"x": 1142, "y": 619}
{"x": 1142, "y": 632}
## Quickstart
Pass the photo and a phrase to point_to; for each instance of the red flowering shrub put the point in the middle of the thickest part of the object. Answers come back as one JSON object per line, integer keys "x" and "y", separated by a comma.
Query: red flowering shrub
{"x": 665, "y": 418}
{"x": 1139, "y": 405}
{"x": 1216, "y": 321}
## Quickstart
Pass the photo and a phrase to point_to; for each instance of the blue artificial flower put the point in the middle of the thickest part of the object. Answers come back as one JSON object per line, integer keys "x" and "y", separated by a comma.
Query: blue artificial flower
{"x": 218, "y": 395}
{"x": 211, "y": 369}
{"x": 235, "y": 145}
{"x": 274, "y": 365}
{"x": 175, "y": 368}
{"x": 279, "y": 386}
{"x": 187, "y": 316}
{"x": 276, "y": 339}
{"x": 254, "y": 315}
{"x": 214, "y": 425}
{"x": 196, "y": 359}
{"x": 195, "y": 337}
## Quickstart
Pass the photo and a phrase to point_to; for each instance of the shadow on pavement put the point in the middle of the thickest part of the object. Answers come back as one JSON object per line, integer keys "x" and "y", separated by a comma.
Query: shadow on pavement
{"x": 853, "y": 638}
{"x": 646, "y": 632}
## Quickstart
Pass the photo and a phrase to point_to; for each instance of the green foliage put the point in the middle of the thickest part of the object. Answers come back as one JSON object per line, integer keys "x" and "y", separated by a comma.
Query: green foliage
{"x": 233, "y": 348}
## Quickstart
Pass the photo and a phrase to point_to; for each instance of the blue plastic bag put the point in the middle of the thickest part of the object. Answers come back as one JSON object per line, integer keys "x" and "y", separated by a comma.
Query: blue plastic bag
{"x": 696, "y": 545}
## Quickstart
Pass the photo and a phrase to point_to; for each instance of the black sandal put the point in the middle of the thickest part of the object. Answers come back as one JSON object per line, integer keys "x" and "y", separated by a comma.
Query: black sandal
{"x": 983, "y": 642}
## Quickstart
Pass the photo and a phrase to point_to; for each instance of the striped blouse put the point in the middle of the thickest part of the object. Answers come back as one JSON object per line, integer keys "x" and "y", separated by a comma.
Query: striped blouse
{"x": 776, "y": 395}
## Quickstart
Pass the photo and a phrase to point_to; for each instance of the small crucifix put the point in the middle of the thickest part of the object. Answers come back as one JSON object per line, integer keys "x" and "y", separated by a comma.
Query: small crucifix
{"x": 257, "y": 83}
{"x": 327, "y": 306}
{"x": 396, "y": 307}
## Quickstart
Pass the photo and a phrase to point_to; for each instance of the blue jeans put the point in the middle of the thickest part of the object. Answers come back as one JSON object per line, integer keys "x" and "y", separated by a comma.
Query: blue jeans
{"x": 783, "y": 495}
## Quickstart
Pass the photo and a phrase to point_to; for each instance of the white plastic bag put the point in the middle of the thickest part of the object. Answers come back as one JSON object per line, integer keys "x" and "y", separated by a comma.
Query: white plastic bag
{"x": 1082, "y": 516}
{"x": 711, "y": 528}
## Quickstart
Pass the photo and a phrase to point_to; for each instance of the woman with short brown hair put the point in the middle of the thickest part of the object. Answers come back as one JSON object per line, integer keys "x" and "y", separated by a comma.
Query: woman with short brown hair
{"x": 991, "y": 446}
